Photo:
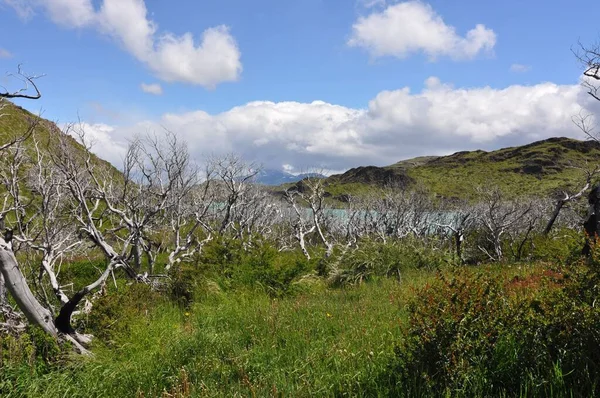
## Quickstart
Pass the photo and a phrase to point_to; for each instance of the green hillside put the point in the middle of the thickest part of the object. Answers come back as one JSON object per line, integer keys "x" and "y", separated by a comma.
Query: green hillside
{"x": 540, "y": 168}
{"x": 16, "y": 122}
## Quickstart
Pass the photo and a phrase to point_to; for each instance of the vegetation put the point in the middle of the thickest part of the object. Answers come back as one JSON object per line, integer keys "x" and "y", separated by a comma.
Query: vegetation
{"x": 542, "y": 168}
{"x": 165, "y": 279}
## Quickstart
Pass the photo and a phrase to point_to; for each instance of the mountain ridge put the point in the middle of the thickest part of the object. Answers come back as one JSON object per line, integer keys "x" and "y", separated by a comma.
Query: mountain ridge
{"x": 543, "y": 167}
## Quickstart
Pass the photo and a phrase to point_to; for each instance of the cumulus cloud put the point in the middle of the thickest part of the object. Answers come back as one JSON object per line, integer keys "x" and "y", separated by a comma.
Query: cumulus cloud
{"x": 154, "y": 88}
{"x": 213, "y": 59}
{"x": 106, "y": 141}
{"x": 396, "y": 124}
{"x": 413, "y": 26}
{"x": 5, "y": 53}
{"x": 520, "y": 68}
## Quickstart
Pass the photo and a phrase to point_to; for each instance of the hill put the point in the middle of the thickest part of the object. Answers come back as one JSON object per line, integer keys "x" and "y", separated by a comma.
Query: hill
{"x": 16, "y": 121}
{"x": 540, "y": 168}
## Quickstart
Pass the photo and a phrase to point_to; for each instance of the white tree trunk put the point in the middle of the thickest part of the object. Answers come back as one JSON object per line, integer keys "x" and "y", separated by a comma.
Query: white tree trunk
{"x": 16, "y": 284}
{"x": 2, "y": 292}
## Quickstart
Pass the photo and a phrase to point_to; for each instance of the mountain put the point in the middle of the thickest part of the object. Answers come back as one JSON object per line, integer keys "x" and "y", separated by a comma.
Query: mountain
{"x": 543, "y": 168}
{"x": 277, "y": 177}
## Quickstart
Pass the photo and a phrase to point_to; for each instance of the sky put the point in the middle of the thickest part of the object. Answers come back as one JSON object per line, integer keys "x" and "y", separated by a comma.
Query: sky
{"x": 298, "y": 85}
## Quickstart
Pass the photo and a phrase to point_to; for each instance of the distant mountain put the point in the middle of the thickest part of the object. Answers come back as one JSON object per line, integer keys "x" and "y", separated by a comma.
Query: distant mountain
{"x": 278, "y": 177}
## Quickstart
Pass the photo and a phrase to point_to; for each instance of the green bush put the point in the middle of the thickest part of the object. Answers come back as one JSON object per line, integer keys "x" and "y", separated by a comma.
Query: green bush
{"x": 260, "y": 265}
{"x": 376, "y": 259}
{"x": 562, "y": 246}
{"x": 112, "y": 313}
{"x": 479, "y": 334}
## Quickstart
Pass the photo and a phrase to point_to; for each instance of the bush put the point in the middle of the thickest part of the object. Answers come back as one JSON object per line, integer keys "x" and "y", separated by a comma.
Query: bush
{"x": 234, "y": 265}
{"x": 478, "y": 334}
{"x": 376, "y": 259}
{"x": 112, "y": 313}
{"x": 562, "y": 246}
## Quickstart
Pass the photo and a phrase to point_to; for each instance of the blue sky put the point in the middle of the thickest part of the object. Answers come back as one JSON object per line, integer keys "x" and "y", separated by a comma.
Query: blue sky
{"x": 392, "y": 79}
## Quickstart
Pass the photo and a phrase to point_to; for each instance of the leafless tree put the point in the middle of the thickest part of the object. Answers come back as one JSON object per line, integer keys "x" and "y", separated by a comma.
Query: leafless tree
{"x": 300, "y": 220}
{"x": 567, "y": 198}
{"x": 190, "y": 209}
{"x": 499, "y": 218}
{"x": 234, "y": 177}
{"x": 589, "y": 57}
{"x": 459, "y": 219}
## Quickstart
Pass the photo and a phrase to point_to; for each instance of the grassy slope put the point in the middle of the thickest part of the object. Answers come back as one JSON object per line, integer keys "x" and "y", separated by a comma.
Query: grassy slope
{"x": 240, "y": 343}
{"x": 540, "y": 168}
{"x": 16, "y": 121}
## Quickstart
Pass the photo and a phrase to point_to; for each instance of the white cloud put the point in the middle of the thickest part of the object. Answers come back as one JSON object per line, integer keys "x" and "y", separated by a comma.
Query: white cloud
{"x": 410, "y": 27}
{"x": 396, "y": 124}
{"x": 5, "y": 53}
{"x": 154, "y": 88}
{"x": 105, "y": 140}
{"x": 520, "y": 68}
{"x": 23, "y": 8}
{"x": 214, "y": 59}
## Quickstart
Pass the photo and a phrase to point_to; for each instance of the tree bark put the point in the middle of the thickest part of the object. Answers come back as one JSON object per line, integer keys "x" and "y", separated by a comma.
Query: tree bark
{"x": 135, "y": 252}
{"x": 559, "y": 205}
{"x": 2, "y": 291}
{"x": 63, "y": 320}
{"x": 16, "y": 284}
{"x": 459, "y": 239}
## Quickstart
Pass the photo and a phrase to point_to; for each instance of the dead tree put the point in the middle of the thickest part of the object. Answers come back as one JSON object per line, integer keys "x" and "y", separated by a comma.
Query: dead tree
{"x": 589, "y": 57}
{"x": 11, "y": 276}
{"x": 189, "y": 211}
{"x": 568, "y": 198}
{"x": 459, "y": 220}
{"x": 234, "y": 178}
{"x": 499, "y": 218}
{"x": 300, "y": 224}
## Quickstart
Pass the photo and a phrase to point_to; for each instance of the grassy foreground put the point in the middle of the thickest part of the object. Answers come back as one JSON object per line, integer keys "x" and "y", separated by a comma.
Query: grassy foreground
{"x": 244, "y": 343}
{"x": 530, "y": 330}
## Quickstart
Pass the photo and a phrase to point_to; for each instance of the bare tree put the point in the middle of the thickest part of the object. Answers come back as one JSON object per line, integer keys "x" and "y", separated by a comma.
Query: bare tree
{"x": 459, "y": 220}
{"x": 300, "y": 222}
{"x": 568, "y": 198}
{"x": 191, "y": 204}
{"x": 11, "y": 276}
{"x": 13, "y": 159}
{"x": 234, "y": 178}
{"x": 499, "y": 218}
{"x": 589, "y": 57}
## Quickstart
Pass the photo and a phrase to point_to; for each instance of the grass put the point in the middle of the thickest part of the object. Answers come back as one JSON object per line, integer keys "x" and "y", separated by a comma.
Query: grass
{"x": 239, "y": 343}
{"x": 320, "y": 341}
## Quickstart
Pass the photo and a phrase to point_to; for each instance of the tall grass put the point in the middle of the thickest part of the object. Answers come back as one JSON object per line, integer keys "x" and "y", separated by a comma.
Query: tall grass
{"x": 239, "y": 343}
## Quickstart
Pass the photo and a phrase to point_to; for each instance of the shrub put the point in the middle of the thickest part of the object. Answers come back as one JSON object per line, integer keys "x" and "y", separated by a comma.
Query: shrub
{"x": 481, "y": 334}
{"x": 562, "y": 246}
{"x": 376, "y": 259}
{"x": 233, "y": 265}
{"x": 112, "y": 313}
